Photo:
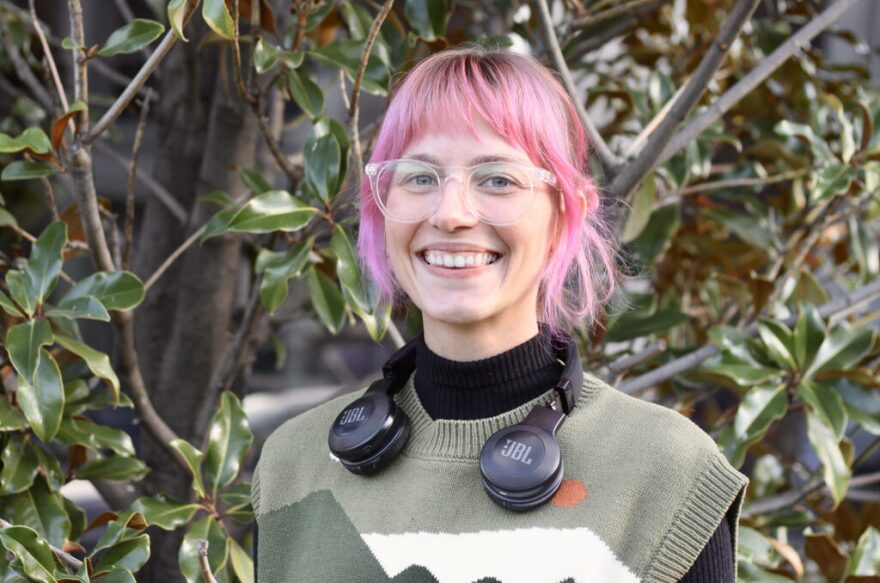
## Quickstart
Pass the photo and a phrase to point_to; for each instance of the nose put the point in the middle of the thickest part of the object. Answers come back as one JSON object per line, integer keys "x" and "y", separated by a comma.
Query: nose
{"x": 452, "y": 210}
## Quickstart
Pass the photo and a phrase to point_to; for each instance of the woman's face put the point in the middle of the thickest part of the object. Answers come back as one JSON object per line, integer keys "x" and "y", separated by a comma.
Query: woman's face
{"x": 498, "y": 299}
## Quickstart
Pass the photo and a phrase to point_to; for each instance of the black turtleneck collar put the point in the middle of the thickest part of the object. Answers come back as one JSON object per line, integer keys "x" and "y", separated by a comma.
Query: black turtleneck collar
{"x": 450, "y": 389}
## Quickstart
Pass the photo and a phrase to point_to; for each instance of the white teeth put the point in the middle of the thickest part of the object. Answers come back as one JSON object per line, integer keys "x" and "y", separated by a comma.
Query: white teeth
{"x": 458, "y": 260}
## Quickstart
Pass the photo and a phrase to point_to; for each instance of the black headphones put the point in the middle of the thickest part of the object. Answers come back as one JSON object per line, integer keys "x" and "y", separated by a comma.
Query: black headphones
{"x": 520, "y": 466}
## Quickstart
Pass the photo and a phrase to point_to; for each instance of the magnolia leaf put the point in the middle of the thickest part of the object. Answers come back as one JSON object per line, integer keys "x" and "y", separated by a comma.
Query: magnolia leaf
{"x": 132, "y": 37}
{"x": 275, "y": 210}
{"x": 85, "y": 307}
{"x": 60, "y": 124}
{"x": 808, "y": 336}
{"x": 39, "y": 508}
{"x": 129, "y": 554}
{"x": 44, "y": 265}
{"x": 643, "y": 204}
{"x": 11, "y": 418}
{"x": 176, "y": 16}
{"x": 347, "y": 268}
{"x": 327, "y": 300}
{"x": 779, "y": 342}
{"x": 242, "y": 564}
{"x": 98, "y": 362}
{"x": 193, "y": 458}
{"x": 84, "y": 431}
{"x": 117, "y": 290}
{"x": 19, "y": 465}
{"x": 113, "y": 467}
{"x": 836, "y": 471}
{"x": 277, "y": 269}
{"x": 26, "y": 170}
{"x": 842, "y": 348}
{"x": 217, "y": 17}
{"x": 165, "y": 512}
{"x": 427, "y": 17}
{"x": 33, "y": 139}
{"x": 229, "y": 439}
{"x": 22, "y": 291}
{"x": 23, "y": 343}
{"x": 322, "y": 157}
{"x": 826, "y": 404}
{"x": 306, "y": 94}
{"x": 32, "y": 551}
{"x": 42, "y": 401}
{"x": 761, "y": 406}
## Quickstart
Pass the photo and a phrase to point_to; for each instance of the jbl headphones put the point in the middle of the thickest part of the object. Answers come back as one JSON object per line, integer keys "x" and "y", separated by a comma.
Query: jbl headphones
{"x": 520, "y": 466}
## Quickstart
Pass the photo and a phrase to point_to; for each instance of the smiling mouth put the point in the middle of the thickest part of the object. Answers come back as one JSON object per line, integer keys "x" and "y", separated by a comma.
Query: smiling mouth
{"x": 458, "y": 260}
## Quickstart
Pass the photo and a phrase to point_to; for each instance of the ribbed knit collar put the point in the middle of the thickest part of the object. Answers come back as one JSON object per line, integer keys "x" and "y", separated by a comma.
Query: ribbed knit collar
{"x": 449, "y": 389}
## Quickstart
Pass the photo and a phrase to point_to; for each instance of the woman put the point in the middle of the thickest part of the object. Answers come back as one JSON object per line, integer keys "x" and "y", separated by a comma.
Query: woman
{"x": 486, "y": 453}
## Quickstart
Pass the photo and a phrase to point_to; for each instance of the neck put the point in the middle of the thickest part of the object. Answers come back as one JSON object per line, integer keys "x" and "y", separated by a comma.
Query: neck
{"x": 465, "y": 342}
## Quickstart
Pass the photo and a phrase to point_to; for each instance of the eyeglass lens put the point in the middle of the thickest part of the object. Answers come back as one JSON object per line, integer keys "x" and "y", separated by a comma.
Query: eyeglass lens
{"x": 410, "y": 191}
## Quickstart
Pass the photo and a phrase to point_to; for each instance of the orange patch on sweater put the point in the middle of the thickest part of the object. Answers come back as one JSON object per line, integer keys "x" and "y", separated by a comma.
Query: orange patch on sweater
{"x": 570, "y": 494}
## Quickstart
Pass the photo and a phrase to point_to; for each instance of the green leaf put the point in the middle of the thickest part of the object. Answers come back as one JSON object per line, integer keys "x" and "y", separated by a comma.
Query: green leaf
{"x": 98, "y": 362}
{"x": 26, "y": 170}
{"x": 84, "y": 431}
{"x": 50, "y": 468}
{"x": 242, "y": 564}
{"x": 742, "y": 225}
{"x": 322, "y": 159}
{"x": 130, "y": 554}
{"x": 327, "y": 300}
{"x": 821, "y": 152}
{"x": 41, "y": 509}
{"x": 126, "y": 526}
{"x": 86, "y": 307}
{"x": 865, "y": 558}
{"x": 21, "y": 289}
{"x": 808, "y": 336}
{"x": 23, "y": 343}
{"x": 306, "y": 94}
{"x": 826, "y": 404}
{"x": 132, "y": 37}
{"x": 831, "y": 180}
{"x": 346, "y": 55}
{"x": 779, "y": 342}
{"x": 19, "y": 465}
{"x": 101, "y": 397}
{"x": 643, "y": 204}
{"x": 33, "y": 552}
{"x": 113, "y": 467}
{"x": 229, "y": 439}
{"x": 217, "y": 197}
{"x": 164, "y": 512}
{"x": 77, "y": 517}
{"x": 277, "y": 269}
{"x": 6, "y": 219}
{"x": 272, "y": 211}
{"x": 43, "y": 401}
{"x": 218, "y": 224}
{"x": 218, "y": 18}
{"x": 655, "y": 237}
{"x": 347, "y": 268}
{"x": 193, "y": 459}
{"x": 427, "y": 17}
{"x": 176, "y": 17}
{"x": 218, "y": 550}
{"x": 11, "y": 418}
{"x": 865, "y": 248}
{"x": 118, "y": 576}
{"x": 44, "y": 265}
{"x": 265, "y": 56}
{"x": 9, "y": 307}
{"x": 836, "y": 471}
{"x": 843, "y": 347}
{"x": 118, "y": 290}
{"x": 635, "y": 324}
{"x": 862, "y": 405}
{"x": 255, "y": 181}
{"x": 759, "y": 408}
{"x": 33, "y": 139}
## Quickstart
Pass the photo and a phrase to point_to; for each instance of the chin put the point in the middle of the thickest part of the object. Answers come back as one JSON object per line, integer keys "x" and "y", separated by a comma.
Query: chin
{"x": 459, "y": 313}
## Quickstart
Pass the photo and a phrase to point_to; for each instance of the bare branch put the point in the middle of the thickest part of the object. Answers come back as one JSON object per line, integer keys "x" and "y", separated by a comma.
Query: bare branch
{"x": 755, "y": 77}
{"x": 80, "y": 67}
{"x": 132, "y": 173}
{"x": 622, "y": 364}
{"x": 737, "y": 183}
{"x": 135, "y": 86}
{"x": 69, "y": 560}
{"x": 609, "y": 161}
{"x": 50, "y": 198}
{"x": 613, "y": 12}
{"x": 22, "y": 70}
{"x": 353, "y": 108}
{"x": 203, "y": 562}
{"x": 49, "y": 58}
{"x": 633, "y": 172}
{"x": 173, "y": 257}
{"x": 165, "y": 197}
{"x": 694, "y": 359}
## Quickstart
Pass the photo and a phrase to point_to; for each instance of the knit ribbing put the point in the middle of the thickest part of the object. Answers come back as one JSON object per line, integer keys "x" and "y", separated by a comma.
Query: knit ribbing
{"x": 463, "y": 439}
{"x": 449, "y": 389}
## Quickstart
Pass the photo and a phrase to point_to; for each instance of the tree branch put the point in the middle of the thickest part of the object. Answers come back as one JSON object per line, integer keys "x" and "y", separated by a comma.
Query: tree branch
{"x": 755, "y": 77}
{"x": 135, "y": 86}
{"x": 49, "y": 58}
{"x": 609, "y": 161}
{"x": 22, "y": 70}
{"x": 633, "y": 172}
{"x": 353, "y": 107}
{"x": 132, "y": 173}
{"x": 80, "y": 67}
{"x": 613, "y": 12}
{"x": 165, "y": 197}
{"x": 695, "y": 358}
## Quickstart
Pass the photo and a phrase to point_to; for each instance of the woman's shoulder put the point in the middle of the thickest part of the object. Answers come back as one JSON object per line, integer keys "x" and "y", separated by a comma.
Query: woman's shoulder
{"x": 310, "y": 426}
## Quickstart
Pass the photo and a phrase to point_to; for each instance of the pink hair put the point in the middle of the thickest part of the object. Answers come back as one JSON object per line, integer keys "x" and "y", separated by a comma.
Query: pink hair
{"x": 523, "y": 102}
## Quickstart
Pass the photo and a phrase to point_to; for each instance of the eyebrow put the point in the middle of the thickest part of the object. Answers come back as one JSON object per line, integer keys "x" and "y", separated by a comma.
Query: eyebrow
{"x": 474, "y": 161}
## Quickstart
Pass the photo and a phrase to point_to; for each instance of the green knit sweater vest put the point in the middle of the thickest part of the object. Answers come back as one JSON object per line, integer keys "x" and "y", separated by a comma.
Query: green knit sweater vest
{"x": 644, "y": 490}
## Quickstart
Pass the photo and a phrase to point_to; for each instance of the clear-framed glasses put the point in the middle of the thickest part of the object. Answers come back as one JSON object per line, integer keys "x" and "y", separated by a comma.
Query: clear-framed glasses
{"x": 497, "y": 193}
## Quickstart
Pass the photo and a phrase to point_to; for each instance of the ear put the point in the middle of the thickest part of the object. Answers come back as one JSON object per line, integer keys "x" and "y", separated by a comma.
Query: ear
{"x": 582, "y": 201}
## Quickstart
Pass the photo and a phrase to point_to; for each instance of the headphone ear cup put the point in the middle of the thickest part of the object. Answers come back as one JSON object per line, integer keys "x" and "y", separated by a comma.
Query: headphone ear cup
{"x": 369, "y": 433}
{"x": 521, "y": 467}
